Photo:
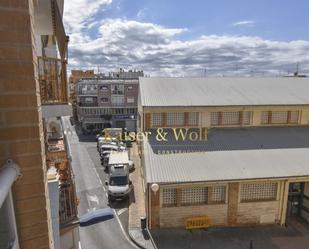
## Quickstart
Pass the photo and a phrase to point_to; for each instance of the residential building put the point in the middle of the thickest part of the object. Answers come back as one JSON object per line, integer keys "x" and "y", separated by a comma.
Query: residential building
{"x": 108, "y": 101}
{"x": 75, "y": 76}
{"x": 39, "y": 209}
{"x": 244, "y": 160}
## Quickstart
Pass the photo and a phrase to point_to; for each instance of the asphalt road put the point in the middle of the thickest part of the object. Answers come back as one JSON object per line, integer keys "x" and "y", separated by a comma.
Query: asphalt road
{"x": 89, "y": 179}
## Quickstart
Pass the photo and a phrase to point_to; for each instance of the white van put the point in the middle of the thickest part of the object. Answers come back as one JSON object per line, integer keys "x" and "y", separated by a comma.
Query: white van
{"x": 118, "y": 184}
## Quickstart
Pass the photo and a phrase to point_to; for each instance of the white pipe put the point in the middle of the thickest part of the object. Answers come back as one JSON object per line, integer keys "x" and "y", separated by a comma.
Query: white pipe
{"x": 8, "y": 174}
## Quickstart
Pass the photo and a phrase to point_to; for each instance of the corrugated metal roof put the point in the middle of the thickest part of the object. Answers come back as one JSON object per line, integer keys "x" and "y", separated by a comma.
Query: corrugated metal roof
{"x": 224, "y": 91}
{"x": 232, "y": 155}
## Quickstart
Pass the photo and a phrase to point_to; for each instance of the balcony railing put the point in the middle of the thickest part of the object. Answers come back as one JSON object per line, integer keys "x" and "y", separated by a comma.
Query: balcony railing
{"x": 68, "y": 203}
{"x": 53, "y": 80}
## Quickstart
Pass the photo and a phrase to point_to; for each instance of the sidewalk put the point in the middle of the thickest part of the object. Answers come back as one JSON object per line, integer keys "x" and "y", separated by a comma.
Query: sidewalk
{"x": 137, "y": 205}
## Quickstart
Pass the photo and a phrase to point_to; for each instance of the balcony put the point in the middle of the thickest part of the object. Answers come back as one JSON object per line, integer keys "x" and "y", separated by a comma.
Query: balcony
{"x": 53, "y": 87}
{"x": 67, "y": 203}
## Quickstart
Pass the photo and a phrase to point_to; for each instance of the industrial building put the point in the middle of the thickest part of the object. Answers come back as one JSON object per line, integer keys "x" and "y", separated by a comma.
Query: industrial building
{"x": 251, "y": 165}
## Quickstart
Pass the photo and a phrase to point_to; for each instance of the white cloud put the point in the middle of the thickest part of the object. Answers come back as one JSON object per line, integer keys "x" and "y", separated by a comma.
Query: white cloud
{"x": 158, "y": 50}
{"x": 246, "y": 23}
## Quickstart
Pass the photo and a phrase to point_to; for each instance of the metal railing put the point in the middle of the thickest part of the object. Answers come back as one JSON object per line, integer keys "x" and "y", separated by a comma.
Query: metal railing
{"x": 53, "y": 81}
{"x": 67, "y": 203}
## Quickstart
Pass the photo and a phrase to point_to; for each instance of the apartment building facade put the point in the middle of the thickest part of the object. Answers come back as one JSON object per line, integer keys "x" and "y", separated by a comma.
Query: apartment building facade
{"x": 243, "y": 160}
{"x": 108, "y": 101}
{"x": 38, "y": 204}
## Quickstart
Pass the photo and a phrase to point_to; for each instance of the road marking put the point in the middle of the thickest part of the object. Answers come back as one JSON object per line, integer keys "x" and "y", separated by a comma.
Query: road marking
{"x": 121, "y": 211}
{"x": 123, "y": 231}
{"x": 79, "y": 245}
{"x": 65, "y": 132}
{"x": 91, "y": 199}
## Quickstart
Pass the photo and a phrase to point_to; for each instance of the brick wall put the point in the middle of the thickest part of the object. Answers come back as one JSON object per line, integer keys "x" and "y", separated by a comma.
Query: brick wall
{"x": 176, "y": 216}
{"x": 21, "y": 129}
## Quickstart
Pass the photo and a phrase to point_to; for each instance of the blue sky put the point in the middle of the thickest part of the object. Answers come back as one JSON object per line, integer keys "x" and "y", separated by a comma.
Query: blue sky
{"x": 184, "y": 37}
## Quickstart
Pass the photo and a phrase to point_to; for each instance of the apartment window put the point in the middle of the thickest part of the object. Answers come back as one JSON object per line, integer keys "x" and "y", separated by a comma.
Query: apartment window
{"x": 264, "y": 191}
{"x": 156, "y": 119}
{"x": 193, "y": 118}
{"x": 88, "y": 100}
{"x": 117, "y": 100}
{"x": 175, "y": 119}
{"x": 279, "y": 117}
{"x": 117, "y": 89}
{"x": 218, "y": 194}
{"x": 169, "y": 197}
{"x": 194, "y": 196}
{"x": 130, "y": 100}
{"x": 104, "y": 88}
{"x": 104, "y": 100}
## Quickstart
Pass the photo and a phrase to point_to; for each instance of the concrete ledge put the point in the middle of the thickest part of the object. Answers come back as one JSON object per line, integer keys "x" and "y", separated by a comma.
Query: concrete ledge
{"x": 57, "y": 110}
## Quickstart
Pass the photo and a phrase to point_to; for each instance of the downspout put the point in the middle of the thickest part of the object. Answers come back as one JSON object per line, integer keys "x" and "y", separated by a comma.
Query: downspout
{"x": 8, "y": 174}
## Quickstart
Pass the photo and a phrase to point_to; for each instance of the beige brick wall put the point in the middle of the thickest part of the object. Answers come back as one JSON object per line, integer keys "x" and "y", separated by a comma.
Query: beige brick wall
{"x": 21, "y": 130}
{"x": 176, "y": 216}
{"x": 258, "y": 212}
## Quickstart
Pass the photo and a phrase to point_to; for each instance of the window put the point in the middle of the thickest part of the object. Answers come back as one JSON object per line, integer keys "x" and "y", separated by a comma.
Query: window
{"x": 214, "y": 118}
{"x": 156, "y": 119}
{"x": 218, "y": 194}
{"x": 280, "y": 117}
{"x": 230, "y": 118}
{"x": 104, "y": 100}
{"x": 88, "y": 100}
{"x": 130, "y": 100}
{"x": 104, "y": 88}
{"x": 194, "y": 195}
{"x": 175, "y": 119}
{"x": 169, "y": 197}
{"x": 193, "y": 118}
{"x": 118, "y": 89}
{"x": 117, "y": 100}
{"x": 258, "y": 191}
{"x": 130, "y": 88}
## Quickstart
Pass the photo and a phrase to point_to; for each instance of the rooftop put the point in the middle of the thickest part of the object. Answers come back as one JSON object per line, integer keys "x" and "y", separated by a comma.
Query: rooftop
{"x": 223, "y": 91}
{"x": 230, "y": 154}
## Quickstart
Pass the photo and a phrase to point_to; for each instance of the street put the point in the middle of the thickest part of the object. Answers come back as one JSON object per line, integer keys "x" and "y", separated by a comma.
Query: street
{"x": 89, "y": 179}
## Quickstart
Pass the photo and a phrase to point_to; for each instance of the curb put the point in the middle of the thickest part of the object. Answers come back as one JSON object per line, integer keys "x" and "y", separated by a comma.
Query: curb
{"x": 135, "y": 241}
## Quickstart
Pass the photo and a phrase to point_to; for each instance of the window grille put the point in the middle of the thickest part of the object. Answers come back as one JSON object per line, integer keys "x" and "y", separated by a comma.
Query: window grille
{"x": 130, "y": 100}
{"x": 279, "y": 117}
{"x": 218, "y": 194}
{"x": 193, "y": 118}
{"x": 194, "y": 195}
{"x": 294, "y": 116}
{"x": 175, "y": 118}
{"x": 247, "y": 117}
{"x": 230, "y": 118}
{"x": 117, "y": 100}
{"x": 214, "y": 118}
{"x": 156, "y": 119}
{"x": 258, "y": 191}
{"x": 169, "y": 197}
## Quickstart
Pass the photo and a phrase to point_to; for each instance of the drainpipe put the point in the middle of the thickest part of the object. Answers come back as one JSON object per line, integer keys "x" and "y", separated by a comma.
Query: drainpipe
{"x": 8, "y": 174}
